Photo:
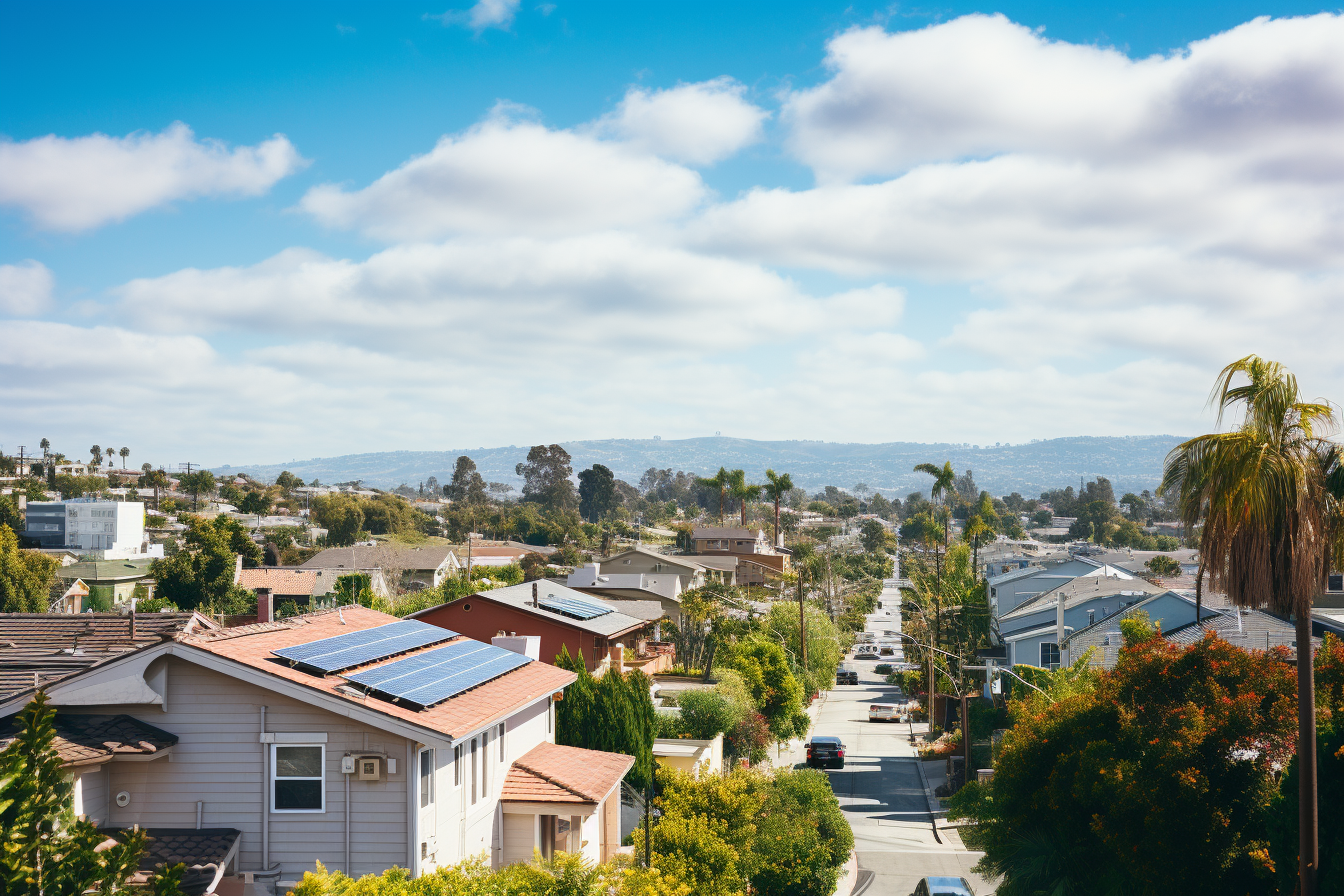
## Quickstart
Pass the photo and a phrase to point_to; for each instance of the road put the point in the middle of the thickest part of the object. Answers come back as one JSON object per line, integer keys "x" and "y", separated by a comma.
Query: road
{"x": 880, "y": 787}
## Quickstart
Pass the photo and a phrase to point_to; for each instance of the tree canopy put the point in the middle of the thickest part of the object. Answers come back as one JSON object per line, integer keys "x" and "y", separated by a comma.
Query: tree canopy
{"x": 201, "y": 573}
{"x": 597, "y": 493}
{"x": 25, "y": 577}
{"x": 546, "y": 477}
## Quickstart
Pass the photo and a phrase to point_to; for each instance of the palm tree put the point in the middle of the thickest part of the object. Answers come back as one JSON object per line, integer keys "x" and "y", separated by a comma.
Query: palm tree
{"x": 976, "y": 529}
{"x": 97, "y": 453}
{"x": 1268, "y": 494}
{"x": 111, "y": 453}
{"x": 719, "y": 480}
{"x": 125, "y": 453}
{"x": 46, "y": 446}
{"x": 739, "y": 489}
{"x": 944, "y": 481}
{"x": 776, "y": 487}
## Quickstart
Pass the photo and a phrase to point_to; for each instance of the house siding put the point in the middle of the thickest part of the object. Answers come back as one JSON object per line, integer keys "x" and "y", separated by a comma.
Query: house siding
{"x": 219, "y": 759}
{"x": 486, "y": 619}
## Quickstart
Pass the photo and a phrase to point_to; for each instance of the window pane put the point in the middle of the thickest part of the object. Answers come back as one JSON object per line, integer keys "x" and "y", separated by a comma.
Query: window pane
{"x": 426, "y": 778}
{"x": 298, "y": 794}
{"x": 298, "y": 762}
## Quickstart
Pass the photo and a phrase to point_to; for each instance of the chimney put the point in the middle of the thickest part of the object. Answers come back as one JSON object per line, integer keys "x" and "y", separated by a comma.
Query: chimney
{"x": 617, "y": 652}
{"x": 534, "y": 594}
{"x": 265, "y": 607}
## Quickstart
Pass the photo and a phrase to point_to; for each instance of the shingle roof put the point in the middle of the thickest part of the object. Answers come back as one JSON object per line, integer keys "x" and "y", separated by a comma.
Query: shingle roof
{"x": 105, "y": 570}
{"x": 551, "y": 773}
{"x": 672, "y": 559}
{"x": 86, "y": 740}
{"x": 520, "y": 598}
{"x": 364, "y": 557}
{"x": 253, "y": 645}
{"x": 724, "y": 532}
{"x": 1256, "y": 630}
{"x": 1082, "y": 589}
{"x": 281, "y": 580}
{"x": 202, "y": 850}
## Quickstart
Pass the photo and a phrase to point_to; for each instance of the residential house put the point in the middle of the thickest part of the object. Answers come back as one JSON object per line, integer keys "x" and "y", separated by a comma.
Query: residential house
{"x": 662, "y": 588}
{"x": 1034, "y": 630}
{"x": 410, "y": 568}
{"x": 691, "y": 573}
{"x": 695, "y": 757}
{"x": 563, "y": 618}
{"x": 305, "y": 588}
{"x": 344, "y": 736}
{"x": 1240, "y": 627}
{"x": 507, "y": 554}
{"x": 1010, "y": 590}
{"x": 1172, "y": 611}
{"x": 111, "y": 581}
{"x": 738, "y": 541}
{"x": 108, "y": 530}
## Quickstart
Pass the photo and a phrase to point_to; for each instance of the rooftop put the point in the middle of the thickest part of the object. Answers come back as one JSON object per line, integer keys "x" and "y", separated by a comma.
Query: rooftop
{"x": 551, "y": 773}
{"x": 1084, "y": 588}
{"x": 93, "y": 740}
{"x": 280, "y": 579}
{"x": 380, "y": 556}
{"x": 612, "y": 624}
{"x": 724, "y": 532}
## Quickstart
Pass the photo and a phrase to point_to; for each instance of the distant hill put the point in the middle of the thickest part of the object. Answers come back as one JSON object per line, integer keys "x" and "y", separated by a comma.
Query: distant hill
{"x": 1132, "y": 463}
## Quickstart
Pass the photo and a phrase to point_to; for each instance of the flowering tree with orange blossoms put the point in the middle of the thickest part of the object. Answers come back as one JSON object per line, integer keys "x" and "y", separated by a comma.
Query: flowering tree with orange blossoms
{"x": 1158, "y": 780}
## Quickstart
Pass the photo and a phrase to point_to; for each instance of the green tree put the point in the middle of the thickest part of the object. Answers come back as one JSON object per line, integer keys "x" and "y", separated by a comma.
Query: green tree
{"x": 1163, "y": 566}
{"x": 597, "y": 493}
{"x": 10, "y": 516}
{"x": 720, "y": 482}
{"x": 197, "y": 483}
{"x": 1267, "y": 494}
{"x": 944, "y": 485}
{"x": 1155, "y": 779}
{"x": 777, "y": 488}
{"x": 546, "y": 478}
{"x": 613, "y": 713}
{"x": 258, "y": 503}
{"x": 341, "y": 515}
{"x": 699, "y": 631}
{"x": 26, "y": 577}
{"x": 467, "y": 486}
{"x": 97, "y": 456}
{"x": 743, "y": 491}
{"x": 46, "y": 850}
{"x": 155, "y": 479}
{"x": 875, "y": 536}
{"x": 202, "y": 573}
{"x": 777, "y": 692}
{"x": 288, "y": 481}
{"x": 125, "y": 453}
{"x": 824, "y": 650}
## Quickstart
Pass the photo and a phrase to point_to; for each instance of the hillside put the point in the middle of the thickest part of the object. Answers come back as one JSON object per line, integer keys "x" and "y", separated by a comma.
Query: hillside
{"x": 1132, "y": 463}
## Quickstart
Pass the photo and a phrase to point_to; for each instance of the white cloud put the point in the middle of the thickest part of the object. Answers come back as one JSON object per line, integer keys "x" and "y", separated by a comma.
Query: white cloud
{"x": 696, "y": 123}
{"x": 73, "y": 184}
{"x": 509, "y": 176}
{"x": 25, "y": 289}
{"x": 484, "y": 14}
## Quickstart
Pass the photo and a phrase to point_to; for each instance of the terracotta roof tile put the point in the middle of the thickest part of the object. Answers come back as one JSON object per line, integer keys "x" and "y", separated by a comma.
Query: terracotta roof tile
{"x": 551, "y": 773}
{"x": 281, "y": 580}
{"x": 252, "y": 645}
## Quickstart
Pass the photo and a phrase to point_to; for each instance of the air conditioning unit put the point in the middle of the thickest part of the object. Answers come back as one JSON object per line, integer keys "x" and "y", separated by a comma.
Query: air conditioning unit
{"x": 369, "y": 768}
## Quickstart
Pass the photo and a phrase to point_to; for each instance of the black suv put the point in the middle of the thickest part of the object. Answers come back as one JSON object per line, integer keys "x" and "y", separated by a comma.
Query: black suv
{"x": 825, "y": 752}
{"x": 846, "y": 675}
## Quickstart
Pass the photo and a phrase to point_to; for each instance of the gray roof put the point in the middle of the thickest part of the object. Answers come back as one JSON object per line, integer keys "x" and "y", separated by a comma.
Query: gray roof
{"x": 674, "y": 559}
{"x": 1082, "y": 589}
{"x": 724, "y": 532}
{"x": 726, "y": 564}
{"x": 365, "y": 557}
{"x": 520, "y": 597}
{"x": 1256, "y": 630}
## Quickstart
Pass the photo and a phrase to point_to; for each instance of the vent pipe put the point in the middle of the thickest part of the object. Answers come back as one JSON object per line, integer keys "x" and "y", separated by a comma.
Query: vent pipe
{"x": 534, "y": 594}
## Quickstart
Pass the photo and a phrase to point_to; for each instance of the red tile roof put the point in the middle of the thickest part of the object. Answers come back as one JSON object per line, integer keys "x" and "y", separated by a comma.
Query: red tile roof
{"x": 551, "y": 773}
{"x": 252, "y": 645}
{"x": 280, "y": 580}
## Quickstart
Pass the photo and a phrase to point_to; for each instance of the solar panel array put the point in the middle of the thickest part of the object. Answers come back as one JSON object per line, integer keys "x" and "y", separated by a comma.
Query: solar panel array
{"x": 366, "y": 646}
{"x": 435, "y": 675}
{"x": 573, "y": 606}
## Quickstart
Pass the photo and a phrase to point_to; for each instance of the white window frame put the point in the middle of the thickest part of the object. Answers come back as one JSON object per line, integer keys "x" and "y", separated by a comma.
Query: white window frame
{"x": 457, "y": 765}
{"x": 427, "y": 754}
{"x": 322, "y": 778}
{"x": 500, "y": 736}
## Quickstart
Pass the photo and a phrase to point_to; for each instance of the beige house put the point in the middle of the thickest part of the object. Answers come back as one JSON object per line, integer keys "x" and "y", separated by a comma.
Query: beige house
{"x": 313, "y": 739}
{"x": 695, "y": 757}
{"x": 409, "y": 568}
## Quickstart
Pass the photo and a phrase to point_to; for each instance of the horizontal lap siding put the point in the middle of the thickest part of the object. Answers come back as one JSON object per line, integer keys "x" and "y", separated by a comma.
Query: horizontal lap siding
{"x": 218, "y": 759}
{"x": 520, "y": 834}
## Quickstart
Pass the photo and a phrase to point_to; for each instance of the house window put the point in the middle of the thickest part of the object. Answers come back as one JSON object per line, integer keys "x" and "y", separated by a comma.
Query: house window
{"x": 500, "y": 737}
{"x": 426, "y": 778}
{"x": 1049, "y": 656}
{"x": 485, "y": 765}
{"x": 550, "y": 715}
{"x": 297, "y": 780}
{"x": 1335, "y": 582}
{"x": 473, "y": 770}
{"x": 457, "y": 766}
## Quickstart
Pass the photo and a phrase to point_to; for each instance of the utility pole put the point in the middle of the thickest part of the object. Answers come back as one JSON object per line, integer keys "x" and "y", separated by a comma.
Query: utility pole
{"x": 802, "y": 621}
{"x": 187, "y": 469}
{"x": 966, "y": 738}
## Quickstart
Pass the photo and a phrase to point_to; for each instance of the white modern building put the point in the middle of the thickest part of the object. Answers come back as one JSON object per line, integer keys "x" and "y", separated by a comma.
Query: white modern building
{"x": 112, "y": 530}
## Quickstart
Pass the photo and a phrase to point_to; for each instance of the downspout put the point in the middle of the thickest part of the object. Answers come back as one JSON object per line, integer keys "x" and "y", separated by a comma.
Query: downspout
{"x": 412, "y": 816}
{"x": 348, "y": 872}
{"x": 265, "y": 797}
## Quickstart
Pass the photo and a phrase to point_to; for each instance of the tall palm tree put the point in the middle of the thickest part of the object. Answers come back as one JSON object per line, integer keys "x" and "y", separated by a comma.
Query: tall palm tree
{"x": 1268, "y": 495}
{"x": 776, "y": 487}
{"x": 46, "y": 447}
{"x": 742, "y": 491}
{"x": 720, "y": 481}
{"x": 944, "y": 482}
{"x": 111, "y": 453}
{"x": 125, "y": 453}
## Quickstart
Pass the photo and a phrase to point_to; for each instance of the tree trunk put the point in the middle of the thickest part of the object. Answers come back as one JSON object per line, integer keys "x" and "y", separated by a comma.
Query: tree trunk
{"x": 776, "y": 522}
{"x": 744, "y": 512}
{"x": 1308, "y": 848}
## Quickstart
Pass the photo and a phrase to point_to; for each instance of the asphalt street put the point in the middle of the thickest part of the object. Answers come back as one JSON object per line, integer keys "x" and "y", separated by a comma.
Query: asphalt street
{"x": 880, "y": 787}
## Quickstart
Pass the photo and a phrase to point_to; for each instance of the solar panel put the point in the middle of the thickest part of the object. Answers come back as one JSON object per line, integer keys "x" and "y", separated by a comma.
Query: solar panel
{"x": 570, "y": 606}
{"x": 435, "y": 675}
{"x": 358, "y": 648}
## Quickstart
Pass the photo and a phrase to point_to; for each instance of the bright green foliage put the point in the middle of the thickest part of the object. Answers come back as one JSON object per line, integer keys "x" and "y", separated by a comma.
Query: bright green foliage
{"x": 1164, "y": 566}
{"x": 1136, "y": 628}
{"x": 197, "y": 483}
{"x": 777, "y": 693}
{"x": 1329, "y": 670}
{"x": 10, "y": 517}
{"x": 25, "y": 577}
{"x": 1154, "y": 781}
{"x": 77, "y": 486}
{"x": 824, "y": 651}
{"x": 784, "y": 833}
{"x": 46, "y": 850}
{"x": 255, "y": 502}
{"x": 201, "y": 574}
{"x": 341, "y": 515}
{"x": 703, "y": 620}
{"x": 564, "y": 875}
{"x": 613, "y": 713}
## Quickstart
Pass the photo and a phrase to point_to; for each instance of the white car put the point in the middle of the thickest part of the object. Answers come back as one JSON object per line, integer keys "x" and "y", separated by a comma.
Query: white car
{"x": 886, "y": 712}
{"x": 865, "y": 652}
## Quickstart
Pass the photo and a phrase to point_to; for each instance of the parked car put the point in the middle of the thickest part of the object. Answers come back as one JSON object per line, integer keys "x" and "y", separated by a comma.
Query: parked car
{"x": 865, "y": 652}
{"x": 825, "y": 752}
{"x": 886, "y": 712}
{"x": 887, "y": 651}
{"x": 943, "y": 886}
{"x": 846, "y": 675}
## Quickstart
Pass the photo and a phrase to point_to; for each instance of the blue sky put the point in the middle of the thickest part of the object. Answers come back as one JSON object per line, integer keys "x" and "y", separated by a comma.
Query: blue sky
{"x": 853, "y": 222}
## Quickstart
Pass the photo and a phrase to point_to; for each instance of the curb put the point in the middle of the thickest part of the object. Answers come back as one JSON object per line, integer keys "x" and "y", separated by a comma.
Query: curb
{"x": 934, "y": 806}
{"x": 849, "y": 877}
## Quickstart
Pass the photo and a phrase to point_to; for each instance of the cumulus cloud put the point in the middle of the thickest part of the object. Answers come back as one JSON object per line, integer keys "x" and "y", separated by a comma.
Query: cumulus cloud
{"x": 482, "y": 15}
{"x": 507, "y": 176}
{"x": 74, "y": 184}
{"x": 695, "y": 123}
{"x": 25, "y": 289}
